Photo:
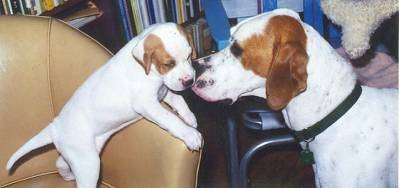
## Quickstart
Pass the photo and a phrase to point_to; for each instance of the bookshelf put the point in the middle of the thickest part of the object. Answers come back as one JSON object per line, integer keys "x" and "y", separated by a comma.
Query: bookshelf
{"x": 117, "y": 21}
{"x": 67, "y": 5}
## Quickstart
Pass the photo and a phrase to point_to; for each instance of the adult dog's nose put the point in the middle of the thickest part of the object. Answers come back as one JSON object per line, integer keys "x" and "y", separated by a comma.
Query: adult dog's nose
{"x": 201, "y": 83}
{"x": 187, "y": 83}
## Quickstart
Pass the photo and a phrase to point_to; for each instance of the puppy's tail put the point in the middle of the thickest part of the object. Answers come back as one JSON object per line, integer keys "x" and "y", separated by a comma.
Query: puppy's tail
{"x": 41, "y": 139}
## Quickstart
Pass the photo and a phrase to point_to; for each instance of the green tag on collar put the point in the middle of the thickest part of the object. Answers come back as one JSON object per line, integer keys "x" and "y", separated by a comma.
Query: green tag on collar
{"x": 307, "y": 157}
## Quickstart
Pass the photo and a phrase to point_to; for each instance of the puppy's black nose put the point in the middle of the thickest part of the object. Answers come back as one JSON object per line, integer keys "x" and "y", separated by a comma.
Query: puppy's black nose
{"x": 188, "y": 83}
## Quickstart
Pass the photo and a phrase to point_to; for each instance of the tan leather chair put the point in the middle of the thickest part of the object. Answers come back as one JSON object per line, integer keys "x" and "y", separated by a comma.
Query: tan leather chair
{"x": 42, "y": 62}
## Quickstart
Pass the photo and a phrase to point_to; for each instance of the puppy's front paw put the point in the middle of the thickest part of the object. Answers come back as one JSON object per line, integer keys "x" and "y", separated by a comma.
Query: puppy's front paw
{"x": 66, "y": 174}
{"x": 190, "y": 119}
{"x": 192, "y": 138}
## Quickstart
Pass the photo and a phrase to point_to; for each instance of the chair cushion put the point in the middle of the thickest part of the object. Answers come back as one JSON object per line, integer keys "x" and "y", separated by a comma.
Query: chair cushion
{"x": 47, "y": 180}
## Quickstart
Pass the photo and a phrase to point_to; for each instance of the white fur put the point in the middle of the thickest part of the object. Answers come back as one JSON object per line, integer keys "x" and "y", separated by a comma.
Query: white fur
{"x": 360, "y": 149}
{"x": 116, "y": 95}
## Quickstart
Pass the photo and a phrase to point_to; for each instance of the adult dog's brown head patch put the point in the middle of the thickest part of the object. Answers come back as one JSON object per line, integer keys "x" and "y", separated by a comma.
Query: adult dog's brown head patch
{"x": 155, "y": 53}
{"x": 279, "y": 55}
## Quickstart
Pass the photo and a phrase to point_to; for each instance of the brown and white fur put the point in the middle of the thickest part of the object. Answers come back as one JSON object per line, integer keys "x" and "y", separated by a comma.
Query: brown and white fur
{"x": 129, "y": 86}
{"x": 280, "y": 58}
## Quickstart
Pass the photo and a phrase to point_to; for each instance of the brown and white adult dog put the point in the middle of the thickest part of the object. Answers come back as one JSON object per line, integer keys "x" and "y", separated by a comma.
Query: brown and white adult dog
{"x": 280, "y": 58}
{"x": 125, "y": 89}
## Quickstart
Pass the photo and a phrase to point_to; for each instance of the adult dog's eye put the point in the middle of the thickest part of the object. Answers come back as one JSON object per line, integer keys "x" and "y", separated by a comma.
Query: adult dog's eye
{"x": 170, "y": 64}
{"x": 236, "y": 50}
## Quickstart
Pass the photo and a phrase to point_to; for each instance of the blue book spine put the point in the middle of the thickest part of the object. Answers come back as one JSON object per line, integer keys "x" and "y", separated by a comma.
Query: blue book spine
{"x": 269, "y": 5}
{"x": 126, "y": 23}
{"x": 150, "y": 10}
{"x": 174, "y": 13}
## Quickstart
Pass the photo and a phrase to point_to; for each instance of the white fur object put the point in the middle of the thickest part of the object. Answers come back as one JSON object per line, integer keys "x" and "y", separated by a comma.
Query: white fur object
{"x": 116, "y": 95}
{"x": 358, "y": 150}
{"x": 358, "y": 20}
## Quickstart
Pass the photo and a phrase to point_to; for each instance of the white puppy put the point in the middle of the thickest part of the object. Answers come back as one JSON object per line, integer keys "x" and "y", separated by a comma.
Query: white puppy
{"x": 128, "y": 87}
{"x": 280, "y": 58}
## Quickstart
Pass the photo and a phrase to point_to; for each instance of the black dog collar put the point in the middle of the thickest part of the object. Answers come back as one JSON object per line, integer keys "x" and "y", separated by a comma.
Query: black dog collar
{"x": 311, "y": 132}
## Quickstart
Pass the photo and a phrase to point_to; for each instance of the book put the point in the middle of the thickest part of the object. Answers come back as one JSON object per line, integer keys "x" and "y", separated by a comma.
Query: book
{"x": 15, "y": 7}
{"x": 168, "y": 11}
{"x": 2, "y": 11}
{"x": 144, "y": 14}
{"x": 174, "y": 12}
{"x": 202, "y": 40}
{"x": 150, "y": 11}
{"x": 136, "y": 16}
{"x": 207, "y": 43}
{"x": 9, "y": 7}
{"x": 125, "y": 20}
{"x": 130, "y": 16}
{"x": 179, "y": 10}
{"x": 29, "y": 7}
{"x": 23, "y": 8}
{"x": 84, "y": 15}
{"x": 80, "y": 22}
{"x": 161, "y": 8}
{"x": 157, "y": 11}
{"x": 5, "y": 7}
{"x": 200, "y": 3}
{"x": 48, "y": 4}
{"x": 196, "y": 8}
{"x": 185, "y": 11}
{"x": 57, "y": 2}
{"x": 191, "y": 8}
{"x": 38, "y": 7}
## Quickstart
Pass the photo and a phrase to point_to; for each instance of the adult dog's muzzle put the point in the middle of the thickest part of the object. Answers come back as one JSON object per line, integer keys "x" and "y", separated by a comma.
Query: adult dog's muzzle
{"x": 201, "y": 64}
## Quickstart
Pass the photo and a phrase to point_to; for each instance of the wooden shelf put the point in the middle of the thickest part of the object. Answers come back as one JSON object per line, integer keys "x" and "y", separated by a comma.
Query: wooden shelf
{"x": 66, "y": 6}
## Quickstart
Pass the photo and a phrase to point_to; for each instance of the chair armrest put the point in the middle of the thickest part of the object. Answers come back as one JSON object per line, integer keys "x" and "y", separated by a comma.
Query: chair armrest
{"x": 263, "y": 119}
{"x": 256, "y": 115}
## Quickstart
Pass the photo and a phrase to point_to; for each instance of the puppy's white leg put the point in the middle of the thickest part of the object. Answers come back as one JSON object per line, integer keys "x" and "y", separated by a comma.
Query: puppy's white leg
{"x": 84, "y": 160}
{"x": 86, "y": 169}
{"x": 180, "y": 106}
{"x": 155, "y": 112}
{"x": 64, "y": 170}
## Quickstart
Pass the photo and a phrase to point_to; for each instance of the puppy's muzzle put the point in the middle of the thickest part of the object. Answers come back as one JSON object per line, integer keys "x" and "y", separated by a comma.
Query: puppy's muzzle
{"x": 187, "y": 83}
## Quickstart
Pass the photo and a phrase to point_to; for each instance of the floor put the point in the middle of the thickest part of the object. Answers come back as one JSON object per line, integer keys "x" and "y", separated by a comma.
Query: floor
{"x": 280, "y": 168}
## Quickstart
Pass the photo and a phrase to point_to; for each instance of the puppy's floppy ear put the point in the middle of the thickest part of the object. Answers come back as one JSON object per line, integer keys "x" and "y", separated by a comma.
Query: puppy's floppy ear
{"x": 189, "y": 38}
{"x": 143, "y": 52}
{"x": 287, "y": 76}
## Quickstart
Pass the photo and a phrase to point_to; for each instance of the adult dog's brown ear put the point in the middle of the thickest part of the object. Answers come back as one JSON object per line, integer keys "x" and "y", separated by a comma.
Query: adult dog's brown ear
{"x": 287, "y": 76}
{"x": 278, "y": 54}
{"x": 144, "y": 51}
{"x": 189, "y": 38}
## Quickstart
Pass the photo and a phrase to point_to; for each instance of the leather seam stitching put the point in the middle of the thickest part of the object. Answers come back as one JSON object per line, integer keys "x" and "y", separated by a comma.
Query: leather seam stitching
{"x": 51, "y": 89}
{"x": 40, "y": 175}
{"x": 28, "y": 178}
